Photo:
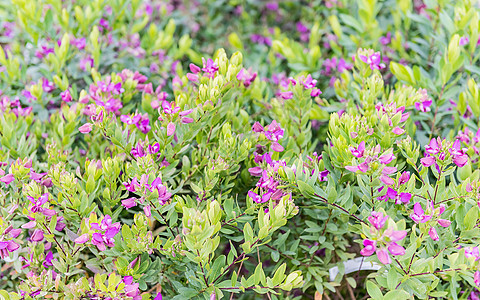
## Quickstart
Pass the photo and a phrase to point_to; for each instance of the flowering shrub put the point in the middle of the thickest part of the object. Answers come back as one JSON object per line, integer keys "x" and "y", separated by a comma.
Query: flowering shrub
{"x": 330, "y": 151}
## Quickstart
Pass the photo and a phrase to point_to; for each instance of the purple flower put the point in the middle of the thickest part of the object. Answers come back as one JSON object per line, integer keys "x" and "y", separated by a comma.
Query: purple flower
{"x": 383, "y": 256}
{"x": 423, "y": 106}
{"x": 369, "y": 247}
{"x": 428, "y": 161}
{"x": 170, "y": 129}
{"x": 397, "y": 130}
{"x": 85, "y": 128}
{"x": 309, "y": 82}
{"x": 285, "y": 95}
{"x": 444, "y": 223}
{"x": 377, "y": 220}
{"x": 472, "y": 252}
{"x": 385, "y": 40}
{"x": 257, "y": 127}
{"x": 129, "y": 202}
{"x": 418, "y": 215}
{"x": 274, "y": 132}
{"x": 272, "y": 6}
{"x": 158, "y": 297}
{"x": 66, "y": 97}
{"x": 373, "y": 60}
{"x": 47, "y": 86}
{"x": 400, "y": 198}
{"x": 463, "y": 41}
{"x": 358, "y": 152}
{"x": 7, "y": 179}
{"x": 387, "y": 180}
{"x": 209, "y": 67}
{"x": 386, "y": 158}
{"x": 404, "y": 178}
{"x": 461, "y": 160}
{"x": 247, "y": 77}
{"x": 396, "y": 249}
{"x": 433, "y": 234}
{"x": 433, "y": 147}
{"x": 37, "y": 236}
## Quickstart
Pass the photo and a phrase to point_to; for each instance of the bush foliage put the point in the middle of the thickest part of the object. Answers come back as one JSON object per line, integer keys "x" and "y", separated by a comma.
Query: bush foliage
{"x": 239, "y": 149}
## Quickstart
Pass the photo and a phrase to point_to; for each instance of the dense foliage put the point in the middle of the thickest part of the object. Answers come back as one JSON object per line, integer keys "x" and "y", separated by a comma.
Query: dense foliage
{"x": 239, "y": 149}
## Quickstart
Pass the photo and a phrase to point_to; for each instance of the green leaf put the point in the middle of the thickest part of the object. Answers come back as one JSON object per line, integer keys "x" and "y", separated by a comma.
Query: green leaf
{"x": 374, "y": 291}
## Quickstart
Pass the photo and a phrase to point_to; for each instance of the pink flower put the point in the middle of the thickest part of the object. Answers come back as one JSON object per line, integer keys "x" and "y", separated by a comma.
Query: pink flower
{"x": 463, "y": 41}
{"x": 461, "y": 160}
{"x": 476, "y": 278}
{"x": 383, "y": 256}
{"x": 396, "y": 249}
{"x": 423, "y": 106}
{"x": 427, "y": 161}
{"x": 358, "y": 152}
{"x": 433, "y": 234}
{"x": 386, "y": 158}
{"x": 37, "y": 236}
{"x": 209, "y": 67}
{"x": 129, "y": 203}
{"x": 277, "y": 147}
{"x": 285, "y": 95}
{"x": 404, "y": 178}
{"x": 147, "y": 210}
{"x": 373, "y": 60}
{"x": 395, "y": 235}
{"x": 85, "y": 128}
{"x": 387, "y": 180}
{"x": 194, "y": 68}
{"x": 369, "y": 247}
{"x": 418, "y": 215}
{"x": 397, "y": 130}
{"x": 170, "y": 129}
{"x": 398, "y": 197}
{"x": 7, "y": 179}
{"x": 444, "y": 223}
{"x": 82, "y": 239}
{"x": 247, "y": 77}
{"x": 66, "y": 96}
{"x": 257, "y": 127}
{"x": 377, "y": 219}
{"x": 433, "y": 147}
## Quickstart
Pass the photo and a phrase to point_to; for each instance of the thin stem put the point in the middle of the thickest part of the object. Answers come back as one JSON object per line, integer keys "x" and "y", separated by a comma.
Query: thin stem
{"x": 341, "y": 208}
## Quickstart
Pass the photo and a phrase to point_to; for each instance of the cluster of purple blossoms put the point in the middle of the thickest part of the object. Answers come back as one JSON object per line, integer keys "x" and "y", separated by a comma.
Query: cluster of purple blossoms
{"x": 209, "y": 69}
{"x": 315, "y": 159}
{"x": 141, "y": 121}
{"x": 437, "y": 150}
{"x": 260, "y": 39}
{"x": 246, "y": 77}
{"x": 421, "y": 216}
{"x": 144, "y": 188}
{"x": 169, "y": 111}
{"x": 268, "y": 183}
{"x": 6, "y": 105}
{"x": 7, "y": 244}
{"x": 100, "y": 234}
{"x": 395, "y": 194}
{"x": 105, "y": 94}
{"x": 303, "y": 31}
{"x": 370, "y": 157}
{"x": 272, "y": 132}
{"x": 383, "y": 241}
{"x": 334, "y": 64}
{"x": 44, "y": 51}
{"x": 373, "y": 59}
{"x": 424, "y": 102}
